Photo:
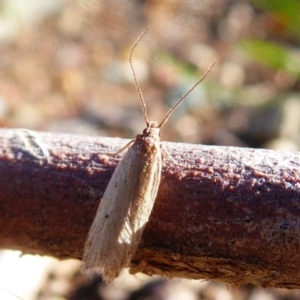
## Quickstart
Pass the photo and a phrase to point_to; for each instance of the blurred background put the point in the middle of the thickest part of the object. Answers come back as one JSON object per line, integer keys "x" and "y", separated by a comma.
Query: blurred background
{"x": 64, "y": 68}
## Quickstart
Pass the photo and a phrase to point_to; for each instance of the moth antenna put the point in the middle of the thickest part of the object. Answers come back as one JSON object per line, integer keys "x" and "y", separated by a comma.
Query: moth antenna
{"x": 143, "y": 103}
{"x": 9, "y": 292}
{"x": 169, "y": 113}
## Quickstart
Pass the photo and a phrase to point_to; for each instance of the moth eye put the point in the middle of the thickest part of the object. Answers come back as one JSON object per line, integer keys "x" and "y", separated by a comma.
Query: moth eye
{"x": 106, "y": 216}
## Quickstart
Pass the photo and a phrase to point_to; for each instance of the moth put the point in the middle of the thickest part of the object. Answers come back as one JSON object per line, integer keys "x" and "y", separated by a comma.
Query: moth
{"x": 128, "y": 200}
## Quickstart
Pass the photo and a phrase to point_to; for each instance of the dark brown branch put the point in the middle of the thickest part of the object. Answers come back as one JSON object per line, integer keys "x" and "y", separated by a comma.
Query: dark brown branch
{"x": 232, "y": 214}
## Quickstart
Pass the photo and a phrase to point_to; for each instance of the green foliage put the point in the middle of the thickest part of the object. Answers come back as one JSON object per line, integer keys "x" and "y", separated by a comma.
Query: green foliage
{"x": 279, "y": 57}
{"x": 272, "y": 55}
{"x": 285, "y": 12}
{"x": 173, "y": 60}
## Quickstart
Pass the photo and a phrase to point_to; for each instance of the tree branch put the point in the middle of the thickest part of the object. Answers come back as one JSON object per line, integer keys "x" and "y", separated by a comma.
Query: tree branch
{"x": 231, "y": 214}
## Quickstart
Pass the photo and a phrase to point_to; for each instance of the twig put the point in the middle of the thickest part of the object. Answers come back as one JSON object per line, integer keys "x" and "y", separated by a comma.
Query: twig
{"x": 231, "y": 214}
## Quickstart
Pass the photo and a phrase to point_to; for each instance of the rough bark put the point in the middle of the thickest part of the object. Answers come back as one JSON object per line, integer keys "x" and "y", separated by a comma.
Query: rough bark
{"x": 229, "y": 214}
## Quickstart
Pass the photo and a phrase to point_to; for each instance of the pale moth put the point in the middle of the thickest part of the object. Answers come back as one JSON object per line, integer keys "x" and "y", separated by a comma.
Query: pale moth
{"x": 129, "y": 197}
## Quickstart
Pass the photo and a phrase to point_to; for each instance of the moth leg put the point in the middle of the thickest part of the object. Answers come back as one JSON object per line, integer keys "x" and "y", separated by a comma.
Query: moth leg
{"x": 165, "y": 153}
{"x": 125, "y": 147}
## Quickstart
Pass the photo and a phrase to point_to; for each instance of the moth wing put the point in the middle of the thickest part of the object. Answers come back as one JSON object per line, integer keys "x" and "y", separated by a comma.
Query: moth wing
{"x": 123, "y": 212}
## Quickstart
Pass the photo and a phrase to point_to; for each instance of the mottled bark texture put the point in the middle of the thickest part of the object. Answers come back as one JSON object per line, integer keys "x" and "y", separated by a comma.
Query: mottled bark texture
{"x": 223, "y": 213}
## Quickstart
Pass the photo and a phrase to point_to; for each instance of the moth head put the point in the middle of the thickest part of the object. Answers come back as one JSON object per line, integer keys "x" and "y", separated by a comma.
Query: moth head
{"x": 153, "y": 124}
{"x": 152, "y": 127}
